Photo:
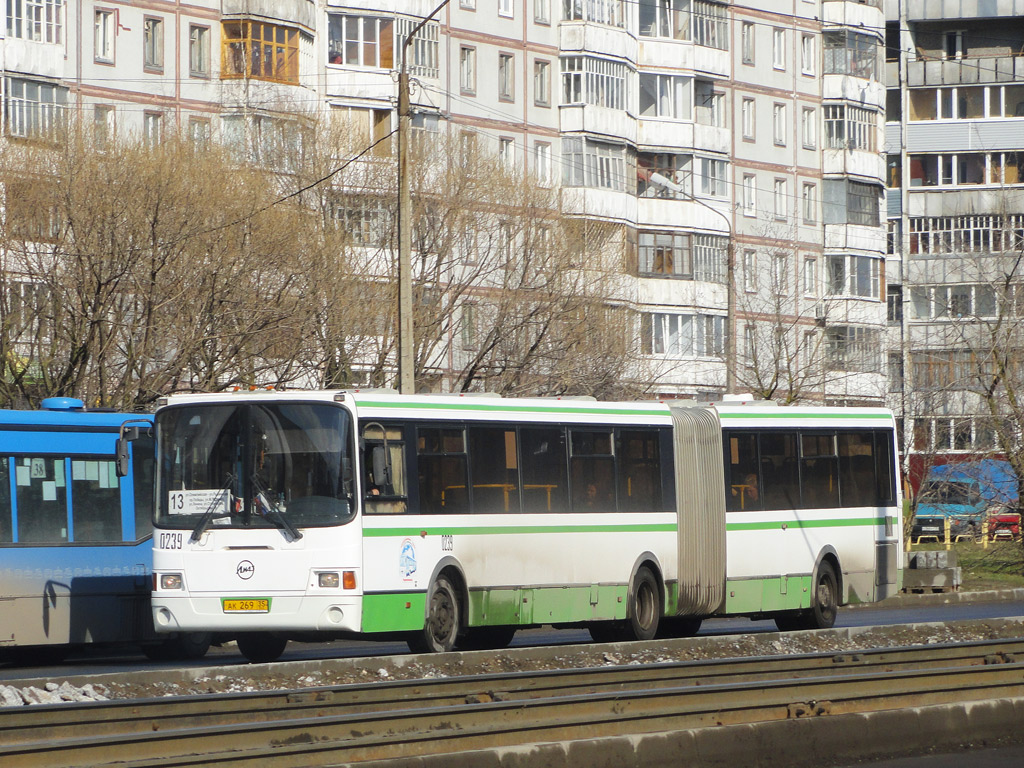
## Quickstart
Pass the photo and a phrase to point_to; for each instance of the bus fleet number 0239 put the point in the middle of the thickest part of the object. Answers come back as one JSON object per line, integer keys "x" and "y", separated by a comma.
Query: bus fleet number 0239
{"x": 171, "y": 540}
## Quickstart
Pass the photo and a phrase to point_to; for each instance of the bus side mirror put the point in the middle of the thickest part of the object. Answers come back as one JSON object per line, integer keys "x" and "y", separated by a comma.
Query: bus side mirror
{"x": 381, "y": 466}
{"x": 127, "y": 435}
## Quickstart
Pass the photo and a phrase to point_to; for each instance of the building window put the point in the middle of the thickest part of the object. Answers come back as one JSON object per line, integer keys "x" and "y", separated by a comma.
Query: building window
{"x": 749, "y": 194}
{"x": 665, "y": 96}
{"x": 507, "y": 152}
{"x": 153, "y": 128}
{"x": 779, "y": 124}
{"x": 37, "y": 20}
{"x": 609, "y": 12}
{"x": 506, "y": 77}
{"x": 710, "y": 24}
{"x": 467, "y": 69}
{"x": 779, "y": 48}
{"x": 710, "y": 258}
{"x": 807, "y": 54}
{"x": 808, "y": 127}
{"x": 750, "y": 270}
{"x": 709, "y": 104}
{"x": 588, "y": 163}
{"x": 360, "y": 41}
{"x": 780, "y": 273}
{"x": 850, "y": 53}
{"x": 672, "y": 335}
{"x": 506, "y": 8}
{"x": 103, "y": 125}
{"x": 809, "y": 203}
{"x": 590, "y": 80}
{"x": 748, "y": 118}
{"x": 894, "y": 304}
{"x": 542, "y": 163}
{"x": 779, "y": 200}
{"x": 469, "y": 5}
{"x": 810, "y": 276}
{"x": 153, "y": 43}
{"x": 850, "y": 348}
{"x": 199, "y": 131}
{"x": 849, "y": 127}
{"x": 469, "y": 326}
{"x": 664, "y": 254}
{"x": 956, "y": 47}
{"x": 261, "y": 51}
{"x": 714, "y": 177}
{"x": 854, "y": 276}
{"x": 198, "y": 51}
{"x": 103, "y": 36}
{"x": 542, "y": 11}
{"x": 662, "y": 174}
{"x": 541, "y": 83}
{"x": 424, "y": 50}
{"x": 33, "y": 110}
{"x": 959, "y": 300}
{"x": 747, "y": 42}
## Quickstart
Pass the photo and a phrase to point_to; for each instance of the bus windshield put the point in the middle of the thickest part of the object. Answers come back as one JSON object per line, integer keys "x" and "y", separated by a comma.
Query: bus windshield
{"x": 254, "y": 465}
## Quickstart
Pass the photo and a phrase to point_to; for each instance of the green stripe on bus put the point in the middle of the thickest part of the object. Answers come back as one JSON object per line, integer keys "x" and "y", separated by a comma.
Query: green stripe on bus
{"x": 767, "y": 525}
{"x": 482, "y": 530}
{"x": 500, "y": 407}
{"x": 796, "y": 416}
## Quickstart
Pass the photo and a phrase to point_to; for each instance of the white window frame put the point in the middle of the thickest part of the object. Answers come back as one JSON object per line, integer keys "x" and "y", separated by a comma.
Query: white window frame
{"x": 542, "y": 163}
{"x": 198, "y": 51}
{"x": 507, "y": 152}
{"x": 809, "y": 127}
{"x": 153, "y": 43}
{"x": 780, "y": 273}
{"x": 809, "y": 200}
{"x": 152, "y": 128}
{"x": 810, "y": 276}
{"x": 807, "y": 54}
{"x": 506, "y": 76}
{"x": 103, "y": 36}
{"x": 506, "y": 8}
{"x": 542, "y": 12}
{"x": 749, "y": 194}
{"x": 670, "y": 96}
{"x": 714, "y": 177}
{"x": 779, "y": 124}
{"x": 779, "y": 200}
{"x": 542, "y": 82}
{"x": 467, "y": 69}
{"x": 39, "y": 21}
{"x": 750, "y": 270}
{"x": 749, "y": 118}
{"x": 747, "y": 42}
{"x": 778, "y": 48}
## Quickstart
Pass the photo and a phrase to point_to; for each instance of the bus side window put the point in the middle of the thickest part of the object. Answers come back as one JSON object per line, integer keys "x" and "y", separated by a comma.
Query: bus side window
{"x": 857, "y": 469}
{"x": 593, "y": 471}
{"x": 95, "y": 500}
{"x": 819, "y": 471}
{"x": 884, "y": 473}
{"x": 639, "y": 470}
{"x": 779, "y": 470}
{"x": 494, "y": 461}
{"x": 143, "y": 470}
{"x": 544, "y": 462}
{"x": 384, "y": 477}
{"x": 6, "y": 526}
{"x": 441, "y": 458}
{"x": 42, "y": 499}
{"x": 744, "y": 489}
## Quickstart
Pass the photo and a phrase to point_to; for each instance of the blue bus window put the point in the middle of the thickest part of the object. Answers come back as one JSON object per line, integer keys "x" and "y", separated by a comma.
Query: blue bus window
{"x": 6, "y": 528}
{"x": 95, "y": 500}
{"x": 41, "y": 489}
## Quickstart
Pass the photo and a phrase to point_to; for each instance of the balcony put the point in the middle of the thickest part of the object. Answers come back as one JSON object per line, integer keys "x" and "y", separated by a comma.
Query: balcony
{"x": 973, "y": 71}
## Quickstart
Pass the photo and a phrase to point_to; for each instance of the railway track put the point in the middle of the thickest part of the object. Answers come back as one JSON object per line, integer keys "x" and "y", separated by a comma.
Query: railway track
{"x": 353, "y": 723}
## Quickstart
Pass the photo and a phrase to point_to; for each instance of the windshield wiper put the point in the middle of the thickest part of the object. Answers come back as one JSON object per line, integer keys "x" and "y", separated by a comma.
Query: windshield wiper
{"x": 273, "y": 512}
{"x": 211, "y": 510}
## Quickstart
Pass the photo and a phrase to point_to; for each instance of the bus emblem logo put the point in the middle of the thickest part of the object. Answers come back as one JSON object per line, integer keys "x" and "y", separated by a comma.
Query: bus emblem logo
{"x": 245, "y": 570}
{"x": 407, "y": 560}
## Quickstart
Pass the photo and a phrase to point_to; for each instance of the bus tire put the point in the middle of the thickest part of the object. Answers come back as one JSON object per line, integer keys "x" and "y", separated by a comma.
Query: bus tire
{"x": 644, "y": 605}
{"x": 441, "y": 627}
{"x": 261, "y": 647}
{"x": 825, "y": 600}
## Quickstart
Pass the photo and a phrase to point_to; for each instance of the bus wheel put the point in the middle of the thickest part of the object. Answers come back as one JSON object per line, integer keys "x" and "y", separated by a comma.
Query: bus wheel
{"x": 261, "y": 647}
{"x": 442, "y": 625}
{"x": 486, "y": 638}
{"x": 825, "y": 601}
{"x": 644, "y": 606}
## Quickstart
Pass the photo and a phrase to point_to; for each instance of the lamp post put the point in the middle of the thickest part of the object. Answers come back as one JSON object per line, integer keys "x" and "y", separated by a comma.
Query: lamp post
{"x": 406, "y": 339}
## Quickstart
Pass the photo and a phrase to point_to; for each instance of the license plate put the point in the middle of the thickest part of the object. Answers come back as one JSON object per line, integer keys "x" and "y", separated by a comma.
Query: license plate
{"x": 257, "y": 605}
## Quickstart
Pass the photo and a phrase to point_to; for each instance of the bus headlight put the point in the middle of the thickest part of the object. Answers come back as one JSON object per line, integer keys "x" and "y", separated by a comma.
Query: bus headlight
{"x": 328, "y": 580}
{"x": 171, "y": 581}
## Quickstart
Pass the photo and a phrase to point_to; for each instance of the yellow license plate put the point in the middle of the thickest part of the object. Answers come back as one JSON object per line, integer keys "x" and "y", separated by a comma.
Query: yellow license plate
{"x": 260, "y": 605}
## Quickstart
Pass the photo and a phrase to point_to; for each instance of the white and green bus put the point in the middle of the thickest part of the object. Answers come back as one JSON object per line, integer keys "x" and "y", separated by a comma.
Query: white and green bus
{"x": 453, "y": 521}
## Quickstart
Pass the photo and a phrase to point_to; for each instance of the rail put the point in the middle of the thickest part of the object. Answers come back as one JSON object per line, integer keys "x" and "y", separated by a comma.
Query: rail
{"x": 386, "y": 721}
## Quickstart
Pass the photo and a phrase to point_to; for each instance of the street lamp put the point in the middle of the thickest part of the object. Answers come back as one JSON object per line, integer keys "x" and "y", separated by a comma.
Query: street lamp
{"x": 406, "y": 362}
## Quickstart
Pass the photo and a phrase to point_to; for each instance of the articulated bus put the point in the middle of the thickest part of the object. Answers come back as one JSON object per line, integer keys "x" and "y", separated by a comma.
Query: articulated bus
{"x": 453, "y": 521}
{"x": 75, "y": 549}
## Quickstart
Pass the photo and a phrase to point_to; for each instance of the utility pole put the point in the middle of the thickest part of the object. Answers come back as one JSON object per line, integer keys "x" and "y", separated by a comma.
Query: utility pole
{"x": 406, "y": 339}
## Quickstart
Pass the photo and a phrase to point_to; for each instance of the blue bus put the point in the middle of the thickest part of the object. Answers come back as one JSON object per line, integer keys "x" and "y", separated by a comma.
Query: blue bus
{"x": 75, "y": 537}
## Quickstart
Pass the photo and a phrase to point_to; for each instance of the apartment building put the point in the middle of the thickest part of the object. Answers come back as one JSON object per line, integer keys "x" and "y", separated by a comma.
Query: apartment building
{"x": 737, "y": 146}
{"x": 954, "y": 135}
